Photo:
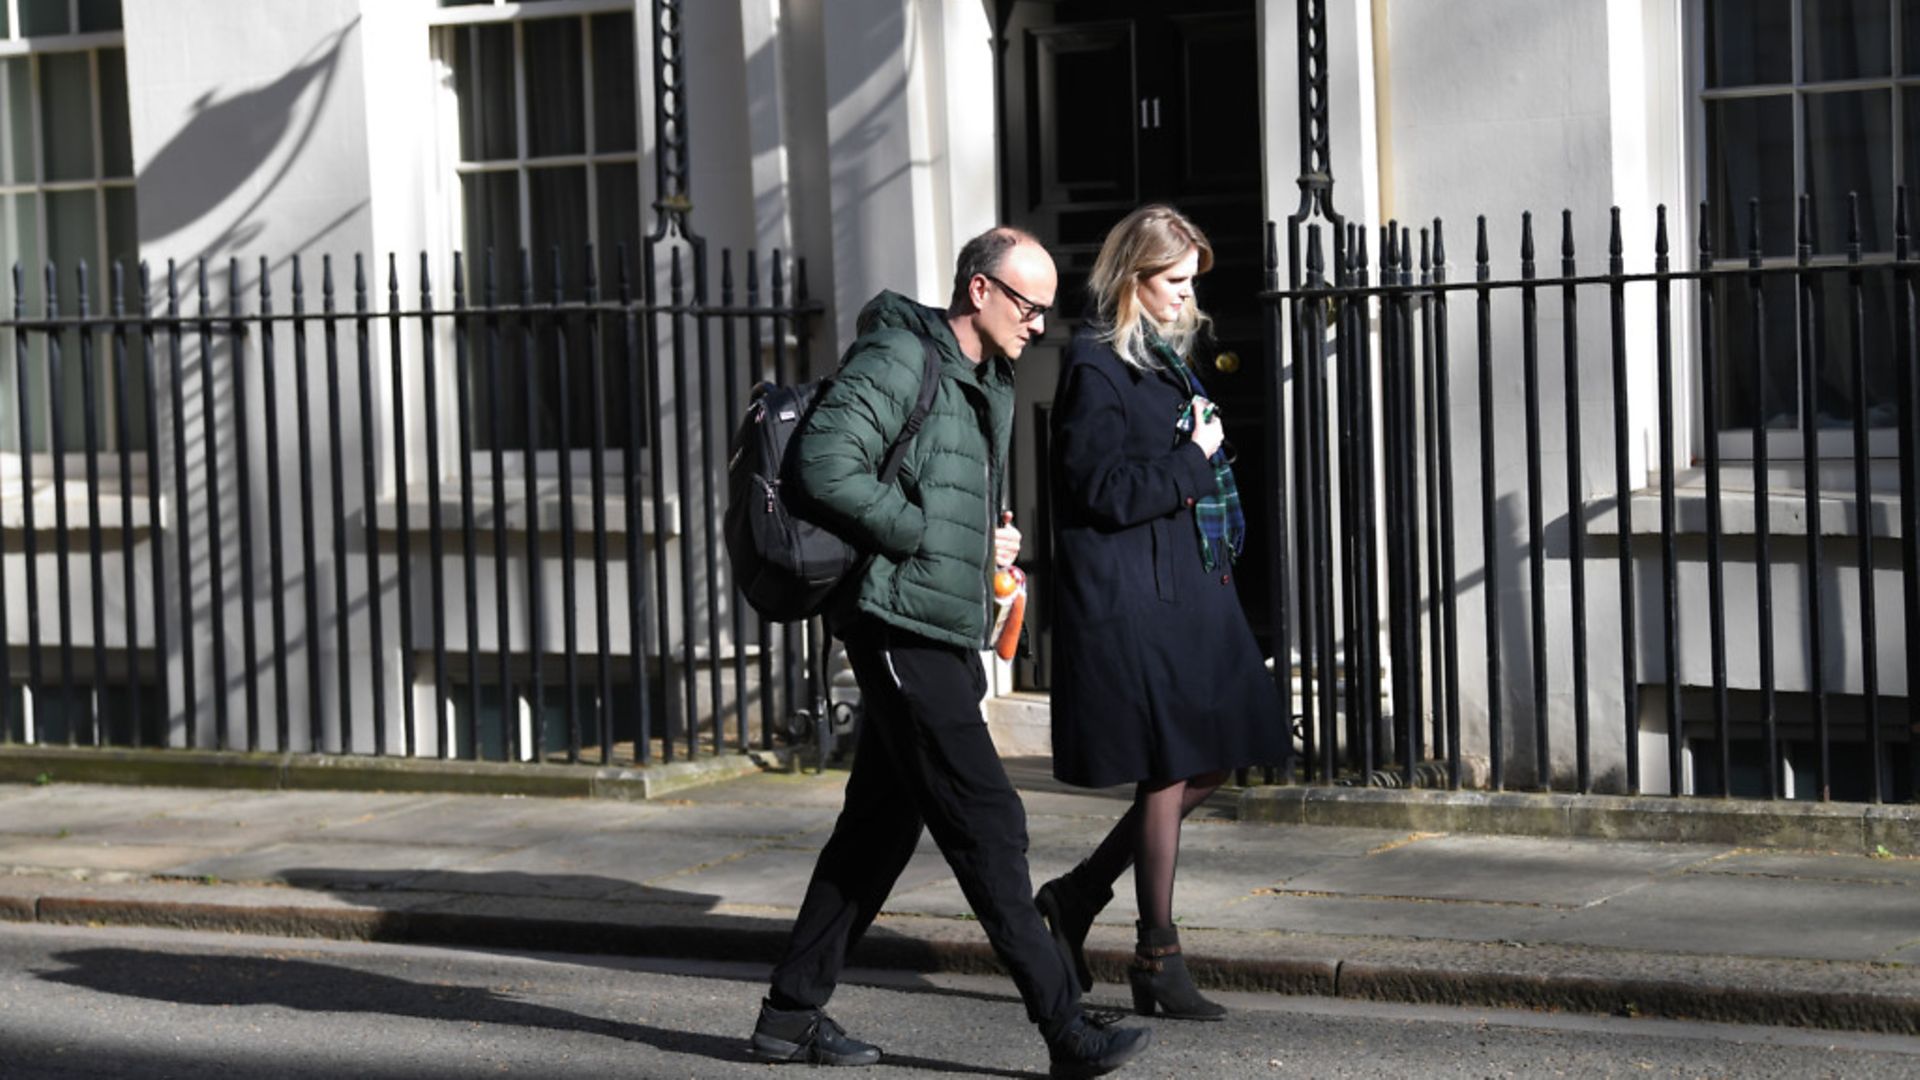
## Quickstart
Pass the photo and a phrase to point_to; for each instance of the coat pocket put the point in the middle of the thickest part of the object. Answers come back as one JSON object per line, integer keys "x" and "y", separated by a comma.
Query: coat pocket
{"x": 1162, "y": 530}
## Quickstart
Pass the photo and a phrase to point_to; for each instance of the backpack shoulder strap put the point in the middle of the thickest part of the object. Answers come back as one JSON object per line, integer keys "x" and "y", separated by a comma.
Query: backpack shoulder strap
{"x": 929, "y": 385}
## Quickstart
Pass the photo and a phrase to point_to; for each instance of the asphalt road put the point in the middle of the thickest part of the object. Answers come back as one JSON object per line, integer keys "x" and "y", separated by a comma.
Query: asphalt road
{"x": 94, "y": 1002}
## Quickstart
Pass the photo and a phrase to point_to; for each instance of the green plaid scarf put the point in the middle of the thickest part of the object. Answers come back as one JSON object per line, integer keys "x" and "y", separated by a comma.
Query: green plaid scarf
{"x": 1217, "y": 517}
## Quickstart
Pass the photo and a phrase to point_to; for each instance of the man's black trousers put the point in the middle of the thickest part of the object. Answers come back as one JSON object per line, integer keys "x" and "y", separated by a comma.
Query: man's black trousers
{"x": 924, "y": 757}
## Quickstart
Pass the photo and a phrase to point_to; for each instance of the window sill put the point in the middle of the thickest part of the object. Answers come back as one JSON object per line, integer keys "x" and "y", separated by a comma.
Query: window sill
{"x": 46, "y": 505}
{"x": 1786, "y": 512}
{"x": 421, "y": 512}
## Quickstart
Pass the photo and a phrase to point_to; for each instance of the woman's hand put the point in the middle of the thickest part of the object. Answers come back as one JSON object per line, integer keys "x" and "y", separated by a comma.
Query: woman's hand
{"x": 1208, "y": 434}
{"x": 1006, "y": 541}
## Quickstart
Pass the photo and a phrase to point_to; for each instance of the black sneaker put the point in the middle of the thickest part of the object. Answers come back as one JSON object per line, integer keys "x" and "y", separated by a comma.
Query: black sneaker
{"x": 811, "y": 1036}
{"x": 1092, "y": 1047}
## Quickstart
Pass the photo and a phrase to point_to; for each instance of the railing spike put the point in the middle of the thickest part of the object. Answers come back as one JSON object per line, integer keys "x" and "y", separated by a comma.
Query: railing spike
{"x": 1660, "y": 231}
{"x": 1482, "y": 256}
{"x": 1803, "y": 237}
{"x": 1566, "y": 235}
{"x": 1526, "y": 236}
{"x": 1616, "y": 244}
{"x": 1704, "y": 239}
{"x": 1439, "y": 245}
{"x": 266, "y": 280}
{"x": 1316, "y": 258}
{"x": 1853, "y": 226}
{"x": 1901, "y": 238}
{"x": 1753, "y": 231}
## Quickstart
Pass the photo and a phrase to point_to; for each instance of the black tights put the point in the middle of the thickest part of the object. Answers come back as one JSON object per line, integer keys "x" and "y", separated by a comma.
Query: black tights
{"x": 1148, "y": 838}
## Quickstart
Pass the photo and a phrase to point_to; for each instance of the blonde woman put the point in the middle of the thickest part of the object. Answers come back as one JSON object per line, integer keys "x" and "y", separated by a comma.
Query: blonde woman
{"x": 1157, "y": 679}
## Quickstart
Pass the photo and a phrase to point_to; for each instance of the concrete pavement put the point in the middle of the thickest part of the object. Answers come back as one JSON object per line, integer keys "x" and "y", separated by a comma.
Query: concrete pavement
{"x": 1698, "y": 929}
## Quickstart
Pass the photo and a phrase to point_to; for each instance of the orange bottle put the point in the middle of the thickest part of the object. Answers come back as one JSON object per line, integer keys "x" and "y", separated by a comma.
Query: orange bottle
{"x": 1010, "y": 593}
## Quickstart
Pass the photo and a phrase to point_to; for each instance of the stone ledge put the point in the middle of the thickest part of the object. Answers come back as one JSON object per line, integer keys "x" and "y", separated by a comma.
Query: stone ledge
{"x": 1848, "y": 827}
{"x": 309, "y": 772}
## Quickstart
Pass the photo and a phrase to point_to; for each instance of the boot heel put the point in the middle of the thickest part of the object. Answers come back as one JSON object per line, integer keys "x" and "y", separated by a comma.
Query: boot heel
{"x": 1141, "y": 981}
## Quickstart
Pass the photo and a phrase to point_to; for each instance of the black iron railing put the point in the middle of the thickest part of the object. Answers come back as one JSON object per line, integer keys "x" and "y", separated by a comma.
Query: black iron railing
{"x": 1384, "y": 489}
{"x": 323, "y": 529}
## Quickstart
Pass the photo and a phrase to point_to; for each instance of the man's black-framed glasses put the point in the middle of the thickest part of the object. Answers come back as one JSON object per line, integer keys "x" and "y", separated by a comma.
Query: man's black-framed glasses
{"x": 1029, "y": 310}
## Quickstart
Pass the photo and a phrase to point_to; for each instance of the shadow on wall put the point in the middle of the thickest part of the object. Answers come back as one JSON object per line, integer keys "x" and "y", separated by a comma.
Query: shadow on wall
{"x": 230, "y": 140}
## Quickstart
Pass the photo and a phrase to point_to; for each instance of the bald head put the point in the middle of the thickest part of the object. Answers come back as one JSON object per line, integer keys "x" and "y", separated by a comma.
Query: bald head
{"x": 1003, "y": 288}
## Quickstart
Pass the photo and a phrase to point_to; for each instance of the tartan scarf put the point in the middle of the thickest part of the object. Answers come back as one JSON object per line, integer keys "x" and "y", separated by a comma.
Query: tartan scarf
{"x": 1217, "y": 518}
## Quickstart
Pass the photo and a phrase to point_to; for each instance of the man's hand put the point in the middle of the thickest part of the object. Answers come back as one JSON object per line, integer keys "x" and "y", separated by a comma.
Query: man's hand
{"x": 1006, "y": 541}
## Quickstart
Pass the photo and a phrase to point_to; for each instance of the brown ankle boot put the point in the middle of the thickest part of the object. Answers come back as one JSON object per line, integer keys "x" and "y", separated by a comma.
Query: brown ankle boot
{"x": 1160, "y": 979}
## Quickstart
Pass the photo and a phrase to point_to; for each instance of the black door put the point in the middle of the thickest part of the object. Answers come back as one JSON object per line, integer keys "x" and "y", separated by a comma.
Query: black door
{"x": 1105, "y": 105}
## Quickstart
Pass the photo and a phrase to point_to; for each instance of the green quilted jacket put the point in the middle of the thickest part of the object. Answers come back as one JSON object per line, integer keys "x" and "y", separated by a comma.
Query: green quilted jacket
{"x": 931, "y": 533}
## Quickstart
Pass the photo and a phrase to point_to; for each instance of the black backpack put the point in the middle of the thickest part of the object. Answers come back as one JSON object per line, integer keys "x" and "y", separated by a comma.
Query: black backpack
{"x": 786, "y": 565}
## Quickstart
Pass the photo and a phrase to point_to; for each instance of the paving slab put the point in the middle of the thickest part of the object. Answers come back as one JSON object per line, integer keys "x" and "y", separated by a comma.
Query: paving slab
{"x": 594, "y": 865}
{"x": 1753, "y": 917}
{"x": 1379, "y": 917}
{"x": 496, "y": 822}
{"x": 1522, "y": 870}
{"x": 1862, "y": 869}
{"x": 56, "y": 807}
{"x": 324, "y": 865}
{"x": 79, "y": 854}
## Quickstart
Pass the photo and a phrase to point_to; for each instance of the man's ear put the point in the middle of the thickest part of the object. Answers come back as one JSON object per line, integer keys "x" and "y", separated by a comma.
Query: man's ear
{"x": 978, "y": 289}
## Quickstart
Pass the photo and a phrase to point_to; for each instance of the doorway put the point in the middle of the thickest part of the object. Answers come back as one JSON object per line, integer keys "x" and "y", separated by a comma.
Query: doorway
{"x": 1105, "y": 105}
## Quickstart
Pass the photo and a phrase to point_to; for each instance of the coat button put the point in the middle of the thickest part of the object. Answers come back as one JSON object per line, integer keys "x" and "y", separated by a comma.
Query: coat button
{"x": 1189, "y": 500}
{"x": 1223, "y": 579}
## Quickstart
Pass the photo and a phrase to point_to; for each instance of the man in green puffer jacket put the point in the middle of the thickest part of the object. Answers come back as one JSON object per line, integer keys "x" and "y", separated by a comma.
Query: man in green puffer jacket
{"x": 914, "y": 629}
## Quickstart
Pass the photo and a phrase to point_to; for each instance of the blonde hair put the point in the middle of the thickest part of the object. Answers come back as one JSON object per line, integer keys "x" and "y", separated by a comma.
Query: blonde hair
{"x": 1143, "y": 244}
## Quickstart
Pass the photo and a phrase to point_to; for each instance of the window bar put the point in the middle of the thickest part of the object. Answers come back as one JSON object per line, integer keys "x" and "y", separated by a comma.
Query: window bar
{"x": 503, "y": 623}
{"x": 156, "y": 550}
{"x": 730, "y": 385}
{"x": 536, "y": 610}
{"x": 1409, "y": 504}
{"x": 569, "y": 584}
{"x": 336, "y": 469}
{"x": 1274, "y": 401}
{"x": 1807, "y": 321}
{"x": 309, "y": 563}
{"x": 402, "y": 532}
{"x": 1716, "y": 570}
{"x": 1309, "y": 336}
{"x": 1449, "y": 571}
{"x": 755, "y": 373}
{"x": 243, "y": 497}
{"x": 683, "y": 474}
{"x": 1576, "y": 517}
{"x": 1669, "y": 543}
{"x": 470, "y": 554}
{"x": 789, "y": 647}
{"x": 1623, "y": 503}
{"x": 369, "y": 499}
{"x": 1368, "y": 717}
{"x": 276, "y": 558}
{"x": 189, "y": 695}
{"x": 56, "y": 385}
{"x": 1904, "y": 342}
{"x": 1536, "y": 528}
{"x": 703, "y": 346}
{"x": 1435, "y": 740}
{"x": 96, "y": 555}
{"x": 1347, "y": 363}
{"x": 1489, "y": 520}
{"x": 436, "y": 535}
{"x": 636, "y": 564}
{"x": 1863, "y": 505}
{"x": 1762, "y": 542}
{"x": 597, "y": 479}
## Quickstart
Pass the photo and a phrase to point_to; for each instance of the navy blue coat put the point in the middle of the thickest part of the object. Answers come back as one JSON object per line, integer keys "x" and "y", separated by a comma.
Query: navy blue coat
{"x": 1156, "y": 674}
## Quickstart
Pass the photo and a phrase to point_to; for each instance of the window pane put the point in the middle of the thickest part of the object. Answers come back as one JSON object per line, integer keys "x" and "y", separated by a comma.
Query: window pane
{"x": 16, "y": 114}
{"x": 1850, "y": 149}
{"x": 1750, "y": 156}
{"x": 614, "y": 95}
{"x": 556, "y": 98}
{"x": 462, "y": 3}
{"x": 99, "y": 15}
{"x": 1910, "y": 33}
{"x": 483, "y": 79}
{"x": 1749, "y": 42}
{"x": 116, "y": 134}
{"x": 492, "y": 203}
{"x": 73, "y": 241}
{"x": 1836, "y": 340}
{"x": 66, "y": 115}
{"x": 559, "y": 204}
{"x": 619, "y": 225}
{"x": 123, "y": 247}
{"x": 1847, "y": 39}
{"x": 43, "y": 17}
{"x": 1744, "y": 386}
